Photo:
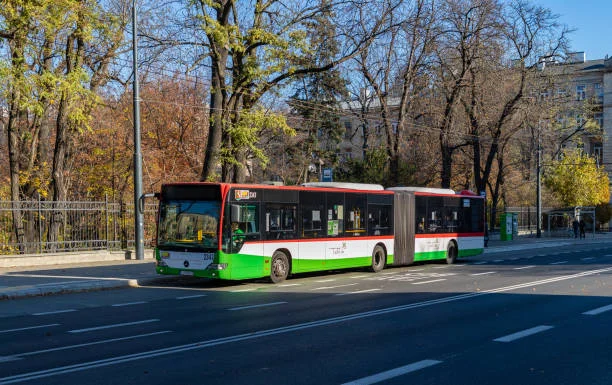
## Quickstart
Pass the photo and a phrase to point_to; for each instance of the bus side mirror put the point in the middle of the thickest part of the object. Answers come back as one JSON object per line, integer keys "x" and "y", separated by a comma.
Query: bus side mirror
{"x": 141, "y": 200}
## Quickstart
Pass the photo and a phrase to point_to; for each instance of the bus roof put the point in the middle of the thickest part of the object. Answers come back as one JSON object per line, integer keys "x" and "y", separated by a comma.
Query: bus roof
{"x": 431, "y": 190}
{"x": 344, "y": 185}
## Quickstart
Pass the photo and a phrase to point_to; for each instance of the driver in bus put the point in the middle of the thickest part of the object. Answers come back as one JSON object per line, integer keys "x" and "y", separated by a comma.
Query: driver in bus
{"x": 237, "y": 233}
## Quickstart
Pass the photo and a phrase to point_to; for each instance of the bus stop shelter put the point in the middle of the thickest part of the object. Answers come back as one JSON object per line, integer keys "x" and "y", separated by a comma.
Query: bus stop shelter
{"x": 586, "y": 213}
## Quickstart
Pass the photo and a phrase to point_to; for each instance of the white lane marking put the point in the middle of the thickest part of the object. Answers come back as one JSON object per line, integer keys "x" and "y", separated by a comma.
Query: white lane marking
{"x": 128, "y": 303}
{"x": 559, "y": 263}
{"x": 412, "y": 270}
{"x": 524, "y": 267}
{"x": 441, "y": 267}
{"x": 290, "y": 284}
{"x": 27, "y": 328}
{"x": 523, "y": 333}
{"x": 242, "y": 290}
{"x": 269, "y": 332}
{"x": 358, "y": 292}
{"x": 20, "y": 356}
{"x": 587, "y": 259}
{"x": 256, "y": 306}
{"x": 95, "y": 328}
{"x": 479, "y": 263}
{"x": 383, "y": 376}
{"x": 485, "y": 273}
{"x": 599, "y": 310}
{"x": 192, "y": 296}
{"x": 55, "y": 312}
{"x": 332, "y": 287}
{"x": 326, "y": 280}
{"x": 358, "y": 276}
{"x": 424, "y": 282}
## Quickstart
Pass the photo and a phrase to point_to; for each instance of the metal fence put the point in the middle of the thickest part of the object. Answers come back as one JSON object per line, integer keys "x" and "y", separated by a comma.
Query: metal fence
{"x": 81, "y": 226}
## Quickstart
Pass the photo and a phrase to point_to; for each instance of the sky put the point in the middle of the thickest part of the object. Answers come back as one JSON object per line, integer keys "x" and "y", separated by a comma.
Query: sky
{"x": 592, "y": 21}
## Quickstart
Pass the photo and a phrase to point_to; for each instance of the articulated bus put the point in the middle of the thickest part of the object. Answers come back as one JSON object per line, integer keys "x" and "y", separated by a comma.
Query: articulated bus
{"x": 240, "y": 231}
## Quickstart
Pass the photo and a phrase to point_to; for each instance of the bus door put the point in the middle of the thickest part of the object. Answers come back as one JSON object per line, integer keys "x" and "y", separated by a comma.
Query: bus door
{"x": 243, "y": 225}
{"x": 405, "y": 226}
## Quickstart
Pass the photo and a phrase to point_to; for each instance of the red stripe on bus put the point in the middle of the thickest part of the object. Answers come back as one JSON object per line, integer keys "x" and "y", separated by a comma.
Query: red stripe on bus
{"x": 311, "y": 240}
{"x": 447, "y": 235}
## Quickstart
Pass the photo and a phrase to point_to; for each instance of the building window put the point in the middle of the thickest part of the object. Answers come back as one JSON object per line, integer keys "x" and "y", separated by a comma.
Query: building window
{"x": 599, "y": 92}
{"x": 579, "y": 120}
{"x": 597, "y": 153}
{"x": 348, "y": 129}
{"x": 580, "y": 92}
{"x": 598, "y": 118}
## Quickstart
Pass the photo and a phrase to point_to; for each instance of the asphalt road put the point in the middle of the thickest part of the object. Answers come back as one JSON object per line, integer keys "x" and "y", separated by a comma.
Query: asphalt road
{"x": 521, "y": 317}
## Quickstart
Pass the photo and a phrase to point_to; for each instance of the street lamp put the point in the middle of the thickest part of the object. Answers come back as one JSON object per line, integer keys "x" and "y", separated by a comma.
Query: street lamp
{"x": 138, "y": 216}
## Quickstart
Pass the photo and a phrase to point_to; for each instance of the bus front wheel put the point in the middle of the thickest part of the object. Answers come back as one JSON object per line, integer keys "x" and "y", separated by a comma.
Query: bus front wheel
{"x": 451, "y": 253}
{"x": 378, "y": 259}
{"x": 279, "y": 270}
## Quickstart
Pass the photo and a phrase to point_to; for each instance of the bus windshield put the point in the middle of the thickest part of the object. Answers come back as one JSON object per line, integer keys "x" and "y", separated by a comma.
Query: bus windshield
{"x": 189, "y": 224}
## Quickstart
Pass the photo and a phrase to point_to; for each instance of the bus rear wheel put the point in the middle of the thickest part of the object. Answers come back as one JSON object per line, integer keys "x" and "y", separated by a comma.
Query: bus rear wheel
{"x": 451, "y": 253}
{"x": 279, "y": 270}
{"x": 379, "y": 258}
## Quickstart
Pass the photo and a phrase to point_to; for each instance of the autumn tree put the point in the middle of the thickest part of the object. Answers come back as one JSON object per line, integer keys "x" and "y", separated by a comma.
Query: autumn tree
{"x": 394, "y": 69}
{"x": 60, "y": 52}
{"x": 253, "y": 49}
{"x": 576, "y": 180}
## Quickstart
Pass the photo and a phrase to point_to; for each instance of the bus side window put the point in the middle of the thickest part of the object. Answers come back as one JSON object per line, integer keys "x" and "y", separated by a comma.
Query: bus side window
{"x": 379, "y": 220}
{"x": 280, "y": 221}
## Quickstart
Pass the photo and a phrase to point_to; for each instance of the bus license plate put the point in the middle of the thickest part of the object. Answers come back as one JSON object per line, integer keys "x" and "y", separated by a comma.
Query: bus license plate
{"x": 189, "y": 273}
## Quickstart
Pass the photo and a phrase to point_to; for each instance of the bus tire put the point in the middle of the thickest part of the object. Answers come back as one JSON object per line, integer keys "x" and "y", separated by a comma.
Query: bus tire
{"x": 379, "y": 258}
{"x": 451, "y": 253}
{"x": 279, "y": 268}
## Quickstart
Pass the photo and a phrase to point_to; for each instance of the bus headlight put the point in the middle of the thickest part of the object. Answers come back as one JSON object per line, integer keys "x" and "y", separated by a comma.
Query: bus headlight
{"x": 217, "y": 266}
{"x": 161, "y": 263}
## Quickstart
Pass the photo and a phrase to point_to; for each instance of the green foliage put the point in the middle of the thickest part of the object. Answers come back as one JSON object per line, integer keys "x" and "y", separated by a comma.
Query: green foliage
{"x": 248, "y": 131}
{"x": 373, "y": 169}
{"x": 603, "y": 212}
{"x": 575, "y": 180}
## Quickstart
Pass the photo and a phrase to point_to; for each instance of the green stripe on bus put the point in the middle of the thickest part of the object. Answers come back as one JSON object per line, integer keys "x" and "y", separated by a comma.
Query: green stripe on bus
{"x": 436, "y": 255}
{"x": 241, "y": 266}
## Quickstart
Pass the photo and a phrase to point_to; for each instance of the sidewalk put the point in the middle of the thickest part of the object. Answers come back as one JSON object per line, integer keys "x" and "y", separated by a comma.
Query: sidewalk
{"x": 84, "y": 274}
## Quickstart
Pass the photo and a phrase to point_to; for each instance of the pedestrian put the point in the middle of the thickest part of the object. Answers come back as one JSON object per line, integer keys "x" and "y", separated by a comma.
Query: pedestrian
{"x": 582, "y": 234}
{"x": 576, "y": 225}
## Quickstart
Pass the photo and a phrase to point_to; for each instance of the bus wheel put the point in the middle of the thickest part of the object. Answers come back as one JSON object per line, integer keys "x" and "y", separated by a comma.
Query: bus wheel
{"x": 451, "y": 253}
{"x": 280, "y": 267}
{"x": 379, "y": 258}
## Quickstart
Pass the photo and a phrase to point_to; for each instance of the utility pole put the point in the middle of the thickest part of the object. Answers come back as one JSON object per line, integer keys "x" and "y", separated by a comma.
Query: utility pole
{"x": 138, "y": 216}
{"x": 539, "y": 187}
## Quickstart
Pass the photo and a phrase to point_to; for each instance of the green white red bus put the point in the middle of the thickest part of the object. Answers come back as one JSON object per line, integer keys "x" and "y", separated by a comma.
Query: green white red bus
{"x": 245, "y": 231}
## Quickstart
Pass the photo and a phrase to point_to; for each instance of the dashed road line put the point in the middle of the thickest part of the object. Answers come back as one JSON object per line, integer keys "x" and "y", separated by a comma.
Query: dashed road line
{"x": 55, "y": 312}
{"x": 191, "y": 296}
{"x": 485, "y": 273}
{"x": 128, "y": 304}
{"x": 28, "y": 328}
{"x": 523, "y": 333}
{"x": 558, "y": 263}
{"x": 332, "y": 287}
{"x": 524, "y": 267}
{"x": 358, "y": 292}
{"x": 383, "y": 376}
{"x": 424, "y": 282}
{"x": 256, "y": 306}
{"x": 599, "y": 310}
{"x": 96, "y": 328}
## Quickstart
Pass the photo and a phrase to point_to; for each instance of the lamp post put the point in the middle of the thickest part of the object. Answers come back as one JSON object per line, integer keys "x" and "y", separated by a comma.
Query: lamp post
{"x": 539, "y": 188}
{"x": 138, "y": 216}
